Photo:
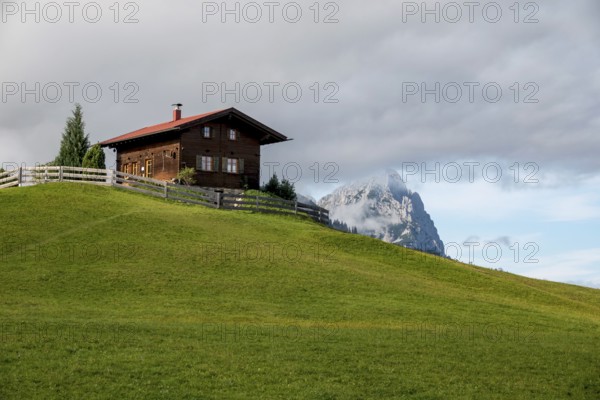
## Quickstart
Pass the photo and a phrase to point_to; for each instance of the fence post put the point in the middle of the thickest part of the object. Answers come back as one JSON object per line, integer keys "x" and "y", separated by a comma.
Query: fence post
{"x": 257, "y": 202}
{"x": 20, "y": 175}
{"x": 296, "y": 207}
{"x": 166, "y": 190}
{"x": 219, "y": 199}
{"x": 60, "y": 174}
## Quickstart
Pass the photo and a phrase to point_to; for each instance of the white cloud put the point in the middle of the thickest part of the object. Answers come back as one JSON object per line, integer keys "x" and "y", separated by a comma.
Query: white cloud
{"x": 369, "y": 54}
{"x": 572, "y": 207}
{"x": 582, "y": 266}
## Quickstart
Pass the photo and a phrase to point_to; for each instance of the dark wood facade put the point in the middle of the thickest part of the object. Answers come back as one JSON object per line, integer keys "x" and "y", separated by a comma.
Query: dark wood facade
{"x": 163, "y": 157}
{"x": 223, "y": 147}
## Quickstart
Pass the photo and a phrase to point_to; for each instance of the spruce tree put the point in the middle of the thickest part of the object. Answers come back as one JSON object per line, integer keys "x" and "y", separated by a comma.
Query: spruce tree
{"x": 94, "y": 158}
{"x": 75, "y": 143}
{"x": 286, "y": 190}
{"x": 272, "y": 186}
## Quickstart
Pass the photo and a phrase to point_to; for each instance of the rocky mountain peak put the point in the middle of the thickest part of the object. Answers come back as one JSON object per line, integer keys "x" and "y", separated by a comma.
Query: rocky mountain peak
{"x": 384, "y": 208}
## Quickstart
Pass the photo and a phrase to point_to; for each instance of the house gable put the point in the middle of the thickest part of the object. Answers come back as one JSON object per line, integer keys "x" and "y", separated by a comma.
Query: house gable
{"x": 266, "y": 135}
{"x": 226, "y": 155}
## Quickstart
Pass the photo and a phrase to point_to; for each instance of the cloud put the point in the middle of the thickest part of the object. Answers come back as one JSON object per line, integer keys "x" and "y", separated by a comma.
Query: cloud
{"x": 578, "y": 265}
{"x": 572, "y": 207}
{"x": 503, "y": 241}
{"x": 369, "y": 55}
{"x": 472, "y": 239}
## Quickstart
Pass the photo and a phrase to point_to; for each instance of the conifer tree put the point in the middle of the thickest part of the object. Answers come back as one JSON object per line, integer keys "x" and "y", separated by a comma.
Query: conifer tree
{"x": 75, "y": 143}
{"x": 94, "y": 158}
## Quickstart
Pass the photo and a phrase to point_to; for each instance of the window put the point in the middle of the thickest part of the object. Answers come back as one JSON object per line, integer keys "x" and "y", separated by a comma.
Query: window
{"x": 207, "y": 163}
{"x": 233, "y": 165}
{"x": 149, "y": 171}
{"x": 170, "y": 154}
{"x": 233, "y": 134}
{"x": 207, "y": 132}
{"x": 134, "y": 168}
{"x": 125, "y": 168}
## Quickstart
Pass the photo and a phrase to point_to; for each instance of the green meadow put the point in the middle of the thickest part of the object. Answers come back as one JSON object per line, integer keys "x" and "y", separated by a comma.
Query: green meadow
{"x": 105, "y": 294}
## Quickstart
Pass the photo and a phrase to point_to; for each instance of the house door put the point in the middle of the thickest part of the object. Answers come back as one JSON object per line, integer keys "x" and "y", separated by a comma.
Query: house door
{"x": 149, "y": 171}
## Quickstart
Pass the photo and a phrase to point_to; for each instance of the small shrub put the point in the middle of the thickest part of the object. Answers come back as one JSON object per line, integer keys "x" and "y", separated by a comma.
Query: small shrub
{"x": 187, "y": 176}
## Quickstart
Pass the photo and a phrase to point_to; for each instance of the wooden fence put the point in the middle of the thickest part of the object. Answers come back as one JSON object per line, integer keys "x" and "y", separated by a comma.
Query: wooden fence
{"x": 166, "y": 190}
{"x": 271, "y": 205}
{"x": 187, "y": 194}
{"x": 36, "y": 175}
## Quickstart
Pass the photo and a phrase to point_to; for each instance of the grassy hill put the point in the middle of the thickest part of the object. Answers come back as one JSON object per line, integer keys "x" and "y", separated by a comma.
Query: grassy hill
{"x": 108, "y": 294}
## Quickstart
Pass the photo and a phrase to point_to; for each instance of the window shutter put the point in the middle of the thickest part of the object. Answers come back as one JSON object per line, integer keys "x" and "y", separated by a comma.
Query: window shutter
{"x": 199, "y": 163}
{"x": 241, "y": 166}
{"x": 215, "y": 164}
{"x": 224, "y": 164}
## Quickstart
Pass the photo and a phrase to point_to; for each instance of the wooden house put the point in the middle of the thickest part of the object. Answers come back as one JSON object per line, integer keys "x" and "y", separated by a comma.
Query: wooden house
{"x": 222, "y": 146}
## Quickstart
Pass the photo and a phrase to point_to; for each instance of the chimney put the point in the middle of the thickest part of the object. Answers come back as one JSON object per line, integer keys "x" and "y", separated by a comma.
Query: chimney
{"x": 177, "y": 111}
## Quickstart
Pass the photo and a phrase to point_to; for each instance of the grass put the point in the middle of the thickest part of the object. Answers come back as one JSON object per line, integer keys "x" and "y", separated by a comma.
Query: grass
{"x": 254, "y": 192}
{"x": 109, "y": 294}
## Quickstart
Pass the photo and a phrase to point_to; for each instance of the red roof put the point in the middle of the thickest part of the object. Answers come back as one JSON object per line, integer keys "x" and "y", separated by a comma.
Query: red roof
{"x": 272, "y": 135}
{"x": 151, "y": 130}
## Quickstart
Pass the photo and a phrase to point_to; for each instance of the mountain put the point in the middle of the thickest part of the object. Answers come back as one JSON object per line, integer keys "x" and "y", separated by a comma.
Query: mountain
{"x": 306, "y": 199}
{"x": 382, "y": 207}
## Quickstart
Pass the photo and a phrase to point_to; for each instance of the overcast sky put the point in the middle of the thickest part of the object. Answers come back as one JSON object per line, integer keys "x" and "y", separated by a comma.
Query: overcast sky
{"x": 492, "y": 87}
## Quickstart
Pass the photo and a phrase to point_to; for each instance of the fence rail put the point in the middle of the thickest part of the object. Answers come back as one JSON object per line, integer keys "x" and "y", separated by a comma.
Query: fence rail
{"x": 188, "y": 194}
{"x": 272, "y": 205}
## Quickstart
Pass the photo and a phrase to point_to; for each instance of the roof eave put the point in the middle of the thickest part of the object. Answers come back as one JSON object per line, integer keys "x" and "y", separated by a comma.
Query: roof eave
{"x": 251, "y": 121}
{"x": 115, "y": 143}
{"x": 267, "y": 142}
{"x": 272, "y": 134}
